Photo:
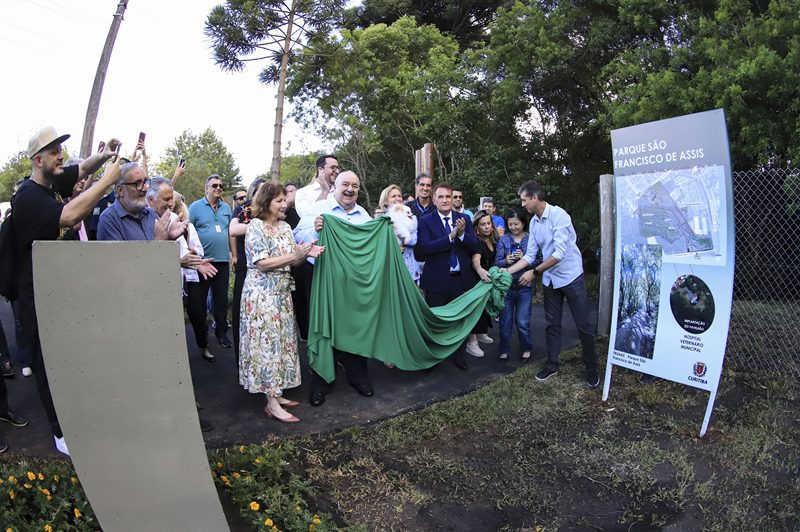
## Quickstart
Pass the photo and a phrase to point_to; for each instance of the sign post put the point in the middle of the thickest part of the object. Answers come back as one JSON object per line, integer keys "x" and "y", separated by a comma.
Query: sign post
{"x": 674, "y": 260}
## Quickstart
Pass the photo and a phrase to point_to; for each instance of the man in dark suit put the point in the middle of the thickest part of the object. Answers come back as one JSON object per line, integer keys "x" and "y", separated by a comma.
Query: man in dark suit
{"x": 446, "y": 242}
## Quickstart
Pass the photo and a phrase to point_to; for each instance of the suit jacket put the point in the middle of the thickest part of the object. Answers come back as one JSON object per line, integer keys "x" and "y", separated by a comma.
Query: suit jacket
{"x": 433, "y": 248}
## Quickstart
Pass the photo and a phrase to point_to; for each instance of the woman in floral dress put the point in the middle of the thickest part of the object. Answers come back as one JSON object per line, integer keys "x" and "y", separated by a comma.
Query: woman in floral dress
{"x": 268, "y": 360}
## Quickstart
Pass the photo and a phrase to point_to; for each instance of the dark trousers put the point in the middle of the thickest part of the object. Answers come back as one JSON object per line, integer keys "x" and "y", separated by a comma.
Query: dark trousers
{"x": 236, "y": 311}
{"x": 355, "y": 367}
{"x": 23, "y": 350}
{"x": 575, "y": 294}
{"x": 30, "y": 329}
{"x": 301, "y": 297}
{"x": 196, "y": 303}
{"x": 450, "y": 290}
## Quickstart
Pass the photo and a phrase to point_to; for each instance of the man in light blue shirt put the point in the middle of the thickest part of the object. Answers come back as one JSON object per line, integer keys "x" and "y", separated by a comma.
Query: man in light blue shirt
{"x": 342, "y": 204}
{"x": 211, "y": 217}
{"x": 551, "y": 231}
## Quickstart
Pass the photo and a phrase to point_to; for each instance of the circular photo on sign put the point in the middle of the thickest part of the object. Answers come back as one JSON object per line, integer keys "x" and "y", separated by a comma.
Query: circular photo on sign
{"x": 692, "y": 304}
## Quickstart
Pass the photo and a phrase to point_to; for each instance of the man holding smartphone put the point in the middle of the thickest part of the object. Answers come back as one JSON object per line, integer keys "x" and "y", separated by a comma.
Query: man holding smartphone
{"x": 39, "y": 214}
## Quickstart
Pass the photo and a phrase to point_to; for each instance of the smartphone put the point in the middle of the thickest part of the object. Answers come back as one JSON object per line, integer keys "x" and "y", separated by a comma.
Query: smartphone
{"x": 101, "y": 146}
{"x": 515, "y": 247}
{"x": 116, "y": 153}
{"x": 141, "y": 137}
{"x": 182, "y": 162}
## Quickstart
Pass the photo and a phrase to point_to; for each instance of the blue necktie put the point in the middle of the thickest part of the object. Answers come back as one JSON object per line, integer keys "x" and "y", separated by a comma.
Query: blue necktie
{"x": 453, "y": 258}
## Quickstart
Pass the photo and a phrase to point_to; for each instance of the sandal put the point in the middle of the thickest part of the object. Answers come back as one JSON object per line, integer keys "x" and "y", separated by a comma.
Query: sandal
{"x": 6, "y": 368}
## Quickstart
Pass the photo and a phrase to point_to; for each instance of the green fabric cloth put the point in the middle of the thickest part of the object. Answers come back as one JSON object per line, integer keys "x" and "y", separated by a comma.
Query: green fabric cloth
{"x": 363, "y": 301}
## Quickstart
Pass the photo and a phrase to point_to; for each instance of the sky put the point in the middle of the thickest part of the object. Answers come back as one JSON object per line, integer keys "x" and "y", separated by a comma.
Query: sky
{"x": 161, "y": 80}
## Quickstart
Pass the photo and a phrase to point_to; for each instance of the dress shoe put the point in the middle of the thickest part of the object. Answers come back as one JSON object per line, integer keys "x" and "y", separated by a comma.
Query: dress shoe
{"x": 224, "y": 341}
{"x": 525, "y": 357}
{"x": 11, "y": 417}
{"x": 290, "y": 419}
{"x": 288, "y": 403}
{"x": 207, "y": 355}
{"x": 363, "y": 389}
{"x": 460, "y": 363}
{"x": 6, "y": 368}
{"x": 317, "y": 399}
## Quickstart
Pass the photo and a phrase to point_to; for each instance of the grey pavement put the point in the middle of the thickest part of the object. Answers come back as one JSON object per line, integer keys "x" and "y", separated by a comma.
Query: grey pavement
{"x": 238, "y": 416}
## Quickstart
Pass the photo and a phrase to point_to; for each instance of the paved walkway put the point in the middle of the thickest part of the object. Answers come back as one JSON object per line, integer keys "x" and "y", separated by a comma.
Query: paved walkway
{"x": 238, "y": 416}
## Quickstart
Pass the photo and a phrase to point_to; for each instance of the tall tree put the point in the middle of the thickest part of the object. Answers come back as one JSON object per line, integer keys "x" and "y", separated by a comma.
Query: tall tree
{"x": 242, "y": 31}
{"x": 16, "y": 168}
{"x": 205, "y": 154}
{"x": 467, "y": 21}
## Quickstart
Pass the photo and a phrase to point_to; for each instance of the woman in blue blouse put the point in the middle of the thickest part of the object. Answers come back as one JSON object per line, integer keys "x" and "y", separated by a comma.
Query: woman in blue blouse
{"x": 510, "y": 248}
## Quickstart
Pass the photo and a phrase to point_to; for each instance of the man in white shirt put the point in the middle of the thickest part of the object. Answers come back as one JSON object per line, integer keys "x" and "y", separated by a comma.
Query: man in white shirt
{"x": 342, "y": 204}
{"x": 319, "y": 189}
{"x": 551, "y": 231}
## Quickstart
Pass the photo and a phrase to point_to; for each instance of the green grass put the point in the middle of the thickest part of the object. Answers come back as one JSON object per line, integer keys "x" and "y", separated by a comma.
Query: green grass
{"x": 520, "y": 454}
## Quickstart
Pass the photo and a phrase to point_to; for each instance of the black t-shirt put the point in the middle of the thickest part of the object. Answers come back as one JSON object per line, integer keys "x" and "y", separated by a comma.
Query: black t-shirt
{"x": 37, "y": 215}
{"x": 241, "y": 261}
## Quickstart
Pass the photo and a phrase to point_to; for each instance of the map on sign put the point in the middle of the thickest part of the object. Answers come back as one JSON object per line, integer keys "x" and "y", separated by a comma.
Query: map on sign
{"x": 678, "y": 210}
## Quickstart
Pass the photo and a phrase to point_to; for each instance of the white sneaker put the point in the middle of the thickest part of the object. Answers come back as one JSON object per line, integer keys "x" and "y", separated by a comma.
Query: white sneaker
{"x": 474, "y": 349}
{"x": 26, "y": 372}
{"x": 485, "y": 339}
{"x": 61, "y": 445}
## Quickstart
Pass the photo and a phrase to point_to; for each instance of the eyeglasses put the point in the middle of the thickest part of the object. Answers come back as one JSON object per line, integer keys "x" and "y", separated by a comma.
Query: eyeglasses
{"x": 240, "y": 198}
{"x": 217, "y": 185}
{"x": 139, "y": 184}
{"x": 333, "y": 167}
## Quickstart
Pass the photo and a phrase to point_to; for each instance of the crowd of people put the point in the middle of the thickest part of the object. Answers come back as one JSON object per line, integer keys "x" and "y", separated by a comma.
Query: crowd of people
{"x": 269, "y": 237}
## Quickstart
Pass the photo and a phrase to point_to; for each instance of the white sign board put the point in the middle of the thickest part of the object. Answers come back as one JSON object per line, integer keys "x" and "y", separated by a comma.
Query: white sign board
{"x": 674, "y": 261}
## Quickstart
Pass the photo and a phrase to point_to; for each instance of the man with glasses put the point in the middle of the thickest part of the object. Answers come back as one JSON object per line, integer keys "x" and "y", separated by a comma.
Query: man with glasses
{"x": 211, "y": 218}
{"x": 327, "y": 170}
{"x": 458, "y": 203}
{"x": 342, "y": 203}
{"x": 239, "y": 197}
{"x": 129, "y": 218}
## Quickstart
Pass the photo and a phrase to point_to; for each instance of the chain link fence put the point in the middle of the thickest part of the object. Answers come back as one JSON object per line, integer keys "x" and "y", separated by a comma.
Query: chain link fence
{"x": 765, "y": 319}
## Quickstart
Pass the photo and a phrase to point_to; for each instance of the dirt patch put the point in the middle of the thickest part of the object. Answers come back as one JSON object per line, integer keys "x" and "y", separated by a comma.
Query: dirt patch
{"x": 553, "y": 456}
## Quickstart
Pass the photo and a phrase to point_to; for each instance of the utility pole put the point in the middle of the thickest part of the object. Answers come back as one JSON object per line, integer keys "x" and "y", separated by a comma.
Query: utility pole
{"x": 99, "y": 79}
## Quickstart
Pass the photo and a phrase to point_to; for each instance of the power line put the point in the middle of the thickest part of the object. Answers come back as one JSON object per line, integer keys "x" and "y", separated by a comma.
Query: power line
{"x": 27, "y": 31}
{"x": 71, "y": 9}
{"x": 54, "y": 11}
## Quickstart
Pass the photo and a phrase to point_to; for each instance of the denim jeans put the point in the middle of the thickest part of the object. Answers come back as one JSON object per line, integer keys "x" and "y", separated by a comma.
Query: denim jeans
{"x": 517, "y": 309}
{"x": 575, "y": 293}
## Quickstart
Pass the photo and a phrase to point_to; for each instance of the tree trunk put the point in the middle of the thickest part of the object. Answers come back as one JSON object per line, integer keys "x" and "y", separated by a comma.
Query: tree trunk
{"x": 276, "y": 139}
{"x": 99, "y": 79}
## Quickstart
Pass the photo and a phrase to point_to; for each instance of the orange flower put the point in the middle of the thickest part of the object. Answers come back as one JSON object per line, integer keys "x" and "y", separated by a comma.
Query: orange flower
{"x": 255, "y": 506}
{"x": 77, "y": 513}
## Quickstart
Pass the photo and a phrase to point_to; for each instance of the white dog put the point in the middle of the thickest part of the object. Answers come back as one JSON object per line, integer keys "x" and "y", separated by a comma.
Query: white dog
{"x": 405, "y": 223}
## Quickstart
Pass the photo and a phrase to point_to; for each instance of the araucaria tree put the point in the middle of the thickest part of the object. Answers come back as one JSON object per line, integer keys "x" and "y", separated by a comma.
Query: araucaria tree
{"x": 253, "y": 30}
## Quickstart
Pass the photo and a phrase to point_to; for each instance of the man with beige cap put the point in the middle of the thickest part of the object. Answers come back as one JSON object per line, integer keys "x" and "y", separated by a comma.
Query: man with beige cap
{"x": 39, "y": 214}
